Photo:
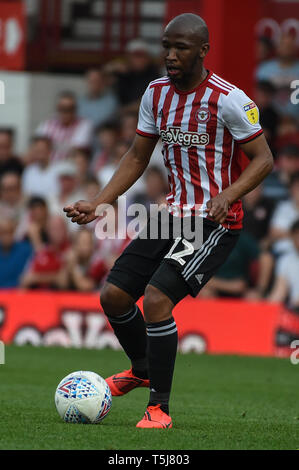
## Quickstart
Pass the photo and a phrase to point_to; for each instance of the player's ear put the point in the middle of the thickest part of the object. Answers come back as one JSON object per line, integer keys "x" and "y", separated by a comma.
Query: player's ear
{"x": 204, "y": 49}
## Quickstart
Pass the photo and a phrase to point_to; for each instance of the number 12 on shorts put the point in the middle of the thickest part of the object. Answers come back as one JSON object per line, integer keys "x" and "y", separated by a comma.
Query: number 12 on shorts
{"x": 179, "y": 255}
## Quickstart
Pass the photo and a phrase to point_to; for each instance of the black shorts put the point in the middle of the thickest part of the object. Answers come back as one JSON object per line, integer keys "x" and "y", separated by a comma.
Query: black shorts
{"x": 172, "y": 265}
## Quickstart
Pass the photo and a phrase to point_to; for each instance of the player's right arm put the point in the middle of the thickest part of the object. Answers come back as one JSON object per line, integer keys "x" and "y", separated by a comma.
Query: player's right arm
{"x": 131, "y": 167}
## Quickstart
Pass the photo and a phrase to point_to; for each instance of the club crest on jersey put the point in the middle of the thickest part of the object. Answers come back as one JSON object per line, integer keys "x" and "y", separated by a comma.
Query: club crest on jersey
{"x": 202, "y": 115}
{"x": 174, "y": 135}
{"x": 251, "y": 112}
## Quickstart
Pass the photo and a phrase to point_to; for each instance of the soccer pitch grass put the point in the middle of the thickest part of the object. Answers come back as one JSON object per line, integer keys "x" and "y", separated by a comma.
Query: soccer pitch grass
{"x": 218, "y": 402}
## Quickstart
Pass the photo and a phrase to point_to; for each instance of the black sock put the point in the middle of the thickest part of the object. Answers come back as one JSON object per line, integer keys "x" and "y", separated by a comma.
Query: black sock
{"x": 162, "y": 347}
{"x": 131, "y": 333}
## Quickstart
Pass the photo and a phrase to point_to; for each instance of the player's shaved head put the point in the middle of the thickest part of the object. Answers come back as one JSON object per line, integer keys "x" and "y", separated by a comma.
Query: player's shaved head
{"x": 186, "y": 43}
{"x": 189, "y": 24}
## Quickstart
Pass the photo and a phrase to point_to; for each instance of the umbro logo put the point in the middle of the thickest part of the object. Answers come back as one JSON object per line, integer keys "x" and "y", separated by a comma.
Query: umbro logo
{"x": 160, "y": 113}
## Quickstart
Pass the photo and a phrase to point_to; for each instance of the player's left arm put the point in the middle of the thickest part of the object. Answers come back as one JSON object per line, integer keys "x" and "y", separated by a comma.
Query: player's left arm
{"x": 261, "y": 164}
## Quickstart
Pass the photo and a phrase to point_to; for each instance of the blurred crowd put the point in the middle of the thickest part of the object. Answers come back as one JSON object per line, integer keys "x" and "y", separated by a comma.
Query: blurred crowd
{"x": 75, "y": 150}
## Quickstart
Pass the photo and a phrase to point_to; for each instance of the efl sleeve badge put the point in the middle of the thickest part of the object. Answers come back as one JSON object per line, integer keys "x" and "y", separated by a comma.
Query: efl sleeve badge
{"x": 252, "y": 112}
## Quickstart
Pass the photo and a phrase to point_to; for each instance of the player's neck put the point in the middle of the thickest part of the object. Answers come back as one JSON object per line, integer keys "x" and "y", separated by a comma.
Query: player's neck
{"x": 193, "y": 82}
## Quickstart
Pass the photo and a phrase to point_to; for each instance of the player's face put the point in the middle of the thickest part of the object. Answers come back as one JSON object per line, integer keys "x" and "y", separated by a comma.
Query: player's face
{"x": 182, "y": 55}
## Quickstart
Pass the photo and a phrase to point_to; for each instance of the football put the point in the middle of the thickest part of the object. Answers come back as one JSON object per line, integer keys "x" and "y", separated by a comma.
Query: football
{"x": 83, "y": 397}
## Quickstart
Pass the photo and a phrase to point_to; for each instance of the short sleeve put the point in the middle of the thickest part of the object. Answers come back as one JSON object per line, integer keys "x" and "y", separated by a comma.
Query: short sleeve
{"x": 241, "y": 116}
{"x": 146, "y": 121}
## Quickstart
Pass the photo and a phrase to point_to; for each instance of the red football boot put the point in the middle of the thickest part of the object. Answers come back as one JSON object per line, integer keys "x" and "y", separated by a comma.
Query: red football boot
{"x": 124, "y": 382}
{"x": 154, "y": 417}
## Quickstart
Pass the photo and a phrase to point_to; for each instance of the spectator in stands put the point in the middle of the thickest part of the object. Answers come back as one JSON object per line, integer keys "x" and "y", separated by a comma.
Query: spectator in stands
{"x": 106, "y": 172}
{"x": 40, "y": 177}
{"x": 285, "y": 214}
{"x": 244, "y": 274}
{"x": 281, "y": 72}
{"x": 112, "y": 233}
{"x": 81, "y": 160}
{"x": 140, "y": 70}
{"x": 269, "y": 117}
{"x": 8, "y": 161}
{"x": 265, "y": 49}
{"x": 14, "y": 255}
{"x": 287, "y": 132}
{"x": 66, "y": 129}
{"x": 286, "y": 286}
{"x": 128, "y": 126}
{"x": 35, "y": 228}
{"x": 107, "y": 136}
{"x": 155, "y": 188}
{"x": 100, "y": 102}
{"x": 156, "y": 185}
{"x": 258, "y": 211}
{"x": 69, "y": 190}
{"x": 92, "y": 187}
{"x": 85, "y": 269}
{"x": 276, "y": 185}
{"x": 48, "y": 267}
{"x": 12, "y": 201}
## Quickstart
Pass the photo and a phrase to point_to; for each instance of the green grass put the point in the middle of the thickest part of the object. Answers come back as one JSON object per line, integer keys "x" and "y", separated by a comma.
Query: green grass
{"x": 218, "y": 402}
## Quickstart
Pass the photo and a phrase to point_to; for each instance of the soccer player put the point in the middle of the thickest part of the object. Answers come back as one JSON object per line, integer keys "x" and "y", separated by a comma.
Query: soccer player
{"x": 204, "y": 122}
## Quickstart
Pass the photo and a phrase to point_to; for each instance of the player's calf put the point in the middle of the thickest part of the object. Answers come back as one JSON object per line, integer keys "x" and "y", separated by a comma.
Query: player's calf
{"x": 156, "y": 305}
{"x": 128, "y": 324}
{"x": 162, "y": 338}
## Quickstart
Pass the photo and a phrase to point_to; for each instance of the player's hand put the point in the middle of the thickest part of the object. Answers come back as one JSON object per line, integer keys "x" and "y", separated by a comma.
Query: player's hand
{"x": 82, "y": 212}
{"x": 217, "y": 208}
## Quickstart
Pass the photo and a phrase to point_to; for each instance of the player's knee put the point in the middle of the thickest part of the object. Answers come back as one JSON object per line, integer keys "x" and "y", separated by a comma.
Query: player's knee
{"x": 115, "y": 301}
{"x": 156, "y": 305}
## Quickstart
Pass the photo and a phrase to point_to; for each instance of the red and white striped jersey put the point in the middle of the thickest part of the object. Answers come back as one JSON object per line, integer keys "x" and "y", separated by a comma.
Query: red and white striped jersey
{"x": 201, "y": 131}
{"x": 65, "y": 138}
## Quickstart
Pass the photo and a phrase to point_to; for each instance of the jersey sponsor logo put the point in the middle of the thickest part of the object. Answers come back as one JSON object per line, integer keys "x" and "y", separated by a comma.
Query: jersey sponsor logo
{"x": 251, "y": 112}
{"x": 174, "y": 135}
{"x": 202, "y": 115}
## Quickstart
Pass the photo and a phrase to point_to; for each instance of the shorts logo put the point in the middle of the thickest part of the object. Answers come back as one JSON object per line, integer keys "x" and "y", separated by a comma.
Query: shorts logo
{"x": 202, "y": 115}
{"x": 199, "y": 278}
{"x": 251, "y": 112}
{"x": 174, "y": 135}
